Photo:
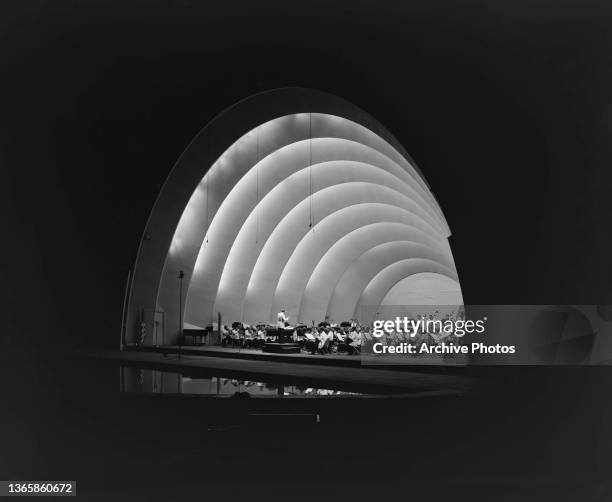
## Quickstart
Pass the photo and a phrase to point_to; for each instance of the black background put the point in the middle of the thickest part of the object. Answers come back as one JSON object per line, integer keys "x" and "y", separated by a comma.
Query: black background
{"x": 505, "y": 106}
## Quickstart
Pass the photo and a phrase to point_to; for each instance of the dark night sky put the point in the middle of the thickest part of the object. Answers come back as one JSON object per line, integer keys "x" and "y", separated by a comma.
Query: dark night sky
{"x": 506, "y": 109}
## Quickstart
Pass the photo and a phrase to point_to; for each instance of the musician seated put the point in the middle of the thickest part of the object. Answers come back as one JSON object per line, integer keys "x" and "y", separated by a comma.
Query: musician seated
{"x": 354, "y": 346}
{"x": 249, "y": 338}
{"x": 341, "y": 340}
{"x": 366, "y": 338}
{"x": 261, "y": 338}
{"x": 311, "y": 343}
{"x": 325, "y": 342}
{"x": 236, "y": 337}
{"x": 300, "y": 337}
{"x": 226, "y": 336}
{"x": 328, "y": 343}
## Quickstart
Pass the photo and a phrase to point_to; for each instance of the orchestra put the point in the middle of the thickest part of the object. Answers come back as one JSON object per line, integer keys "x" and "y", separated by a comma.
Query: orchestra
{"x": 326, "y": 337}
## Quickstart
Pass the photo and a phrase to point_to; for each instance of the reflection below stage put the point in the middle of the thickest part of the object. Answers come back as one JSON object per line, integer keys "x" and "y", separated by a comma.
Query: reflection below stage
{"x": 141, "y": 380}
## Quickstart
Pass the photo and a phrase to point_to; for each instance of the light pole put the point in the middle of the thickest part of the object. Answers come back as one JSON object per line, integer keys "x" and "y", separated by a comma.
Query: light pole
{"x": 180, "y": 276}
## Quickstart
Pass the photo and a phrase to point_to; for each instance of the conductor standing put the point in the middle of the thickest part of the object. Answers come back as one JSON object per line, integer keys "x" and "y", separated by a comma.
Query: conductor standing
{"x": 282, "y": 319}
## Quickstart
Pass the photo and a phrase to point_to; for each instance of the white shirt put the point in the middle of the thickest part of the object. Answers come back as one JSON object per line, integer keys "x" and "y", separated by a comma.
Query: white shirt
{"x": 356, "y": 337}
{"x": 282, "y": 319}
{"x": 323, "y": 338}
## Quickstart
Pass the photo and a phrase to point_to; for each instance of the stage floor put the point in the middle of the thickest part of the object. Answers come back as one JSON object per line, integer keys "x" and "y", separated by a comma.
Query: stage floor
{"x": 256, "y": 354}
{"x": 334, "y": 359}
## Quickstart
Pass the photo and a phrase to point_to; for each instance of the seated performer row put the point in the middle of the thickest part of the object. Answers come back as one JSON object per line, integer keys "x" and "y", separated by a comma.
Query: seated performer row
{"x": 323, "y": 339}
{"x": 246, "y": 336}
{"x": 327, "y": 339}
